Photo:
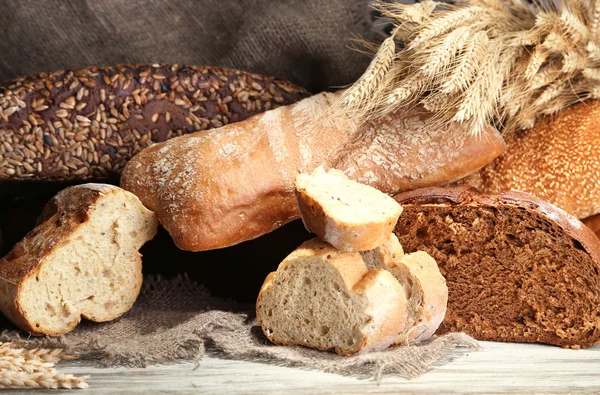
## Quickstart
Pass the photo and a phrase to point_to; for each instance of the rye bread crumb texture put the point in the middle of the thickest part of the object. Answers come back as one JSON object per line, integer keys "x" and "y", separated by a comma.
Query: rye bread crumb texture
{"x": 328, "y": 299}
{"x": 348, "y": 215}
{"x": 81, "y": 261}
{"x": 87, "y": 123}
{"x": 518, "y": 269}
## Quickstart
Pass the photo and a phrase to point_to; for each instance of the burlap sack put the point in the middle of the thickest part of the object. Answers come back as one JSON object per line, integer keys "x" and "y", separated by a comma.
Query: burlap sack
{"x": 305, "y": 41}
{"x": 178, "y": 319}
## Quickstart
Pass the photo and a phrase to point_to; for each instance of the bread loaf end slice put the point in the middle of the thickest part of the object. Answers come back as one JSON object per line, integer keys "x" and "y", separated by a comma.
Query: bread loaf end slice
{"x": 518, "y": 269}
{"x": 327, "y": 299}
{"x": 82, "y": 260}
{"x": 426, "y": 290}
{"x": 348, "y": 215}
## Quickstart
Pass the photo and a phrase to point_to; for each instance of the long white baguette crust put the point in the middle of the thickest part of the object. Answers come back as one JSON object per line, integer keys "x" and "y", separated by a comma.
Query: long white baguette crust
{"x": 217, "y": 188}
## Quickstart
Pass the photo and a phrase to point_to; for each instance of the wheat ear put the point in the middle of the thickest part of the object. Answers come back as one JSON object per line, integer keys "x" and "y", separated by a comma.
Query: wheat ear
{"x": 468, "y": 64}
{"x": 443, "y": 24}
{"x": 34, "y": 369}
{"x": 595, "y": 19}
{"x": 373, "y": 76}
{"x": 499, "y": 62}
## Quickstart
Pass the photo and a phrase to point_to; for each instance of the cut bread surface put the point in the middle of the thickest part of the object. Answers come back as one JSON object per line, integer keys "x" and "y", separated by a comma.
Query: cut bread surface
{"x": 327, "y": 299}
{"x": 81, "y": 261}
{"x": 518, "y": 269}
{"x": 426, "y": 290}
{"x": 348, "y": 215}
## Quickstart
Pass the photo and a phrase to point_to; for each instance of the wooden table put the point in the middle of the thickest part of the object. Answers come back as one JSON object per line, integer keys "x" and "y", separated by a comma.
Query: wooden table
{"x": 497, "y": 369}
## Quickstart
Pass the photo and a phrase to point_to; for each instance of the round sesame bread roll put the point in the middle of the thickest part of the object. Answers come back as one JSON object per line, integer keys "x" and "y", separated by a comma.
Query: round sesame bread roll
{"x": 556, "y": 160}
{"x": 86, "y": 124}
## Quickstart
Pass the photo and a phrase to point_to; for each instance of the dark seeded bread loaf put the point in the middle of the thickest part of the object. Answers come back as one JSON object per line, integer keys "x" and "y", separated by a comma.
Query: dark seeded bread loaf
{"x": 86, "y": 124}
{"x": 517, "y": 268}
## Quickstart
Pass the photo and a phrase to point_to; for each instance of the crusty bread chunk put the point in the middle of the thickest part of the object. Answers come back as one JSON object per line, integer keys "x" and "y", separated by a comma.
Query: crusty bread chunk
{"x": 518, "y": 269}
{"x": 426, "y": 289}
{"x": 348, "y": 215}
{"x": 82, "y": 260}
{"x": 327, "y": 299}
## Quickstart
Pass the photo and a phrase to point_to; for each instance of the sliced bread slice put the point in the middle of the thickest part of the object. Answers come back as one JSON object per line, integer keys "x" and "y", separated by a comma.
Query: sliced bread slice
{"x": 518, "y": 269}
{"x": 348, "y": 215}
{"x": 327, "y": 299}
{"x": 82, "y": 260}
{"x": 426, "y": 289}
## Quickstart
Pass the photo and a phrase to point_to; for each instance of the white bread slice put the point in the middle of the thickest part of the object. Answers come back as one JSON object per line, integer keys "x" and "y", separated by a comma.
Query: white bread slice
{"x": 426, "y": 289}
{"x": 82, "y": 260}
{"x": 327, "y": 299}
{"x": 348, "y": 215}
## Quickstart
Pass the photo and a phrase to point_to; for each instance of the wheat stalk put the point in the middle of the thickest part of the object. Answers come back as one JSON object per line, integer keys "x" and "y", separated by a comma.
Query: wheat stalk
{"x": 468, "y": 64}
{"x": 595, "y": 19}
{"x": 574, "y": 27}
{"x": 374, "y": 75}
{"x": 445, "y": 23}
{"x": 441, "y": 58}
{"x": 34, "y": 368}
{"x": 480, "y": 62}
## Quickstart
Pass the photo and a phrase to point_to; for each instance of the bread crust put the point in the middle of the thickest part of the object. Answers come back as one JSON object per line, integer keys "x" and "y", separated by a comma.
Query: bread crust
{"x": 319, "y": 214}
{"x": 221, "y": 187}
{"x": 434, "y": 296}
{"x": 375, "y": 285}
{"x": 403, "y": 152}
{"x": 124, "y": 109}
{"x": 463, "y": 196}
{"x": 63, "y": 215}
{"x": 555, "y": 160}
{"x": 593, "y": 223}
{"x": 416, "y": 270}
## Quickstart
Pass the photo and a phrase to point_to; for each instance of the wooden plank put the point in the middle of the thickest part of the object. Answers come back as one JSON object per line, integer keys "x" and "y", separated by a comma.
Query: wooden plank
{"x": 499, "y": 368}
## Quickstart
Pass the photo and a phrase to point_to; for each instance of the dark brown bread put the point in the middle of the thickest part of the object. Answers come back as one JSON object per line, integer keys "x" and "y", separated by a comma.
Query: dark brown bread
{"x": 86, "y": 124}
{"x": 517, "y": 268}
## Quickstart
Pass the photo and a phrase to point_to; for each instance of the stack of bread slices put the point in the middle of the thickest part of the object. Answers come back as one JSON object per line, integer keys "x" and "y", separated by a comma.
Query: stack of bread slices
{"x": 352, "y": 289}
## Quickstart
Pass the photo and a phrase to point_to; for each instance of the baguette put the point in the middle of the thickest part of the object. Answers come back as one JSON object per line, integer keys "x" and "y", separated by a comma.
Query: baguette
{"x": 327, "y": 299}
{"x": 86, "y": 124}
{"x": 348, "y": 215}
{"x": 426, "y": 289}
{"x": 518, "y": 269}
{"x": 221, "y": 187}
{"x": 82, "y": 260}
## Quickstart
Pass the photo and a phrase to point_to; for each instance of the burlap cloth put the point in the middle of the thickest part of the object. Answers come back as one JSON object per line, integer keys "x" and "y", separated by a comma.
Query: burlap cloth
{"x": 178, "y": 320}
{"x": 305, "y": 41}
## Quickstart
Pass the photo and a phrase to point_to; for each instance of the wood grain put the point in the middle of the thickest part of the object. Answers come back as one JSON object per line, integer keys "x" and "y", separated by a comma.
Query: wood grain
{"x": 497, "y": 369}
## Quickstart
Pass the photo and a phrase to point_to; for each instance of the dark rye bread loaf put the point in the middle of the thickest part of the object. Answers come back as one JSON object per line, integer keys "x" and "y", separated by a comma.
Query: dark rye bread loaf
{"x": 518, "y": 269}
{"x": 86, "y": 124}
